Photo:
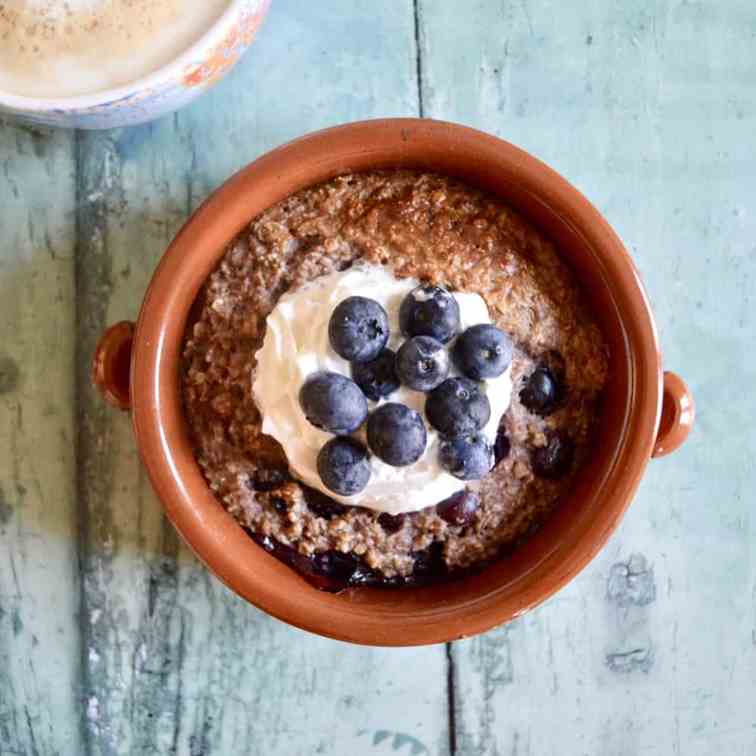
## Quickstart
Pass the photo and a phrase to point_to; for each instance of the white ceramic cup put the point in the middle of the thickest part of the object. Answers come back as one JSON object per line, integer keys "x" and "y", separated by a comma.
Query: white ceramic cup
{"x": 165, "y": 90}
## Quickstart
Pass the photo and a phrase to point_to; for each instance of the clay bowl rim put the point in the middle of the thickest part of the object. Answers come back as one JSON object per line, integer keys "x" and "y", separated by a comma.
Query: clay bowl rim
{"x": 372, "y": 616}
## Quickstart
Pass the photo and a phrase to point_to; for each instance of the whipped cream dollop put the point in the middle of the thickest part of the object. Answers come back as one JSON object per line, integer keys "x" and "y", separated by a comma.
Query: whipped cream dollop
{"x": 296, "y": 345}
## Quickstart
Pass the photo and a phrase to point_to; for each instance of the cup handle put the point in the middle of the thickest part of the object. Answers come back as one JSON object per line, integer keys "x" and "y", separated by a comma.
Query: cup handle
{"x": 678, "y": 415}
{"x": 111, "y": 366}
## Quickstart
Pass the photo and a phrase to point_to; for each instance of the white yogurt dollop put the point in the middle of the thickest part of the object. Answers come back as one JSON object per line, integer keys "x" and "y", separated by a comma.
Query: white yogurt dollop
{"x": 296, "y": 345}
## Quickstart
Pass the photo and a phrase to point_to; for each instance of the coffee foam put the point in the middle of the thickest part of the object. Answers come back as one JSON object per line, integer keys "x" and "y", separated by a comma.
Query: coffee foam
{"x": 64, "y": 48}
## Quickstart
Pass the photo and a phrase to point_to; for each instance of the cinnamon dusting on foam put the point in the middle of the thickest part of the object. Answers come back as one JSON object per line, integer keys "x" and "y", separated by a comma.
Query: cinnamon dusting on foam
{"x": 65, "y": 48}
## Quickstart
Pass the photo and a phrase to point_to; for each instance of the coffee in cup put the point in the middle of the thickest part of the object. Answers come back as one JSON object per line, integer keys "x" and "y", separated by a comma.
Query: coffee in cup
{"x": 68, "y": 48}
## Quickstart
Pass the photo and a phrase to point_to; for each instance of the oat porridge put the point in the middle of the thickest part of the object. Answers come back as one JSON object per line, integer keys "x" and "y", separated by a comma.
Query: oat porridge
{"x": 388, "y": 234}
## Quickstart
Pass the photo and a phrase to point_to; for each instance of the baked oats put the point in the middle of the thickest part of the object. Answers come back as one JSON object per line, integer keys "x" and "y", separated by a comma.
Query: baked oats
{"x": 437, "y": 230}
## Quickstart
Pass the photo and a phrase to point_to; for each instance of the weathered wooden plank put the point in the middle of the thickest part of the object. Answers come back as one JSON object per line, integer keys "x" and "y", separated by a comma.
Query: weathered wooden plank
{"x": 176, "y": 664}
{"x": 649, "y": 108}
{"x": 38, "y": 583}
{"x": 129, "y": 205}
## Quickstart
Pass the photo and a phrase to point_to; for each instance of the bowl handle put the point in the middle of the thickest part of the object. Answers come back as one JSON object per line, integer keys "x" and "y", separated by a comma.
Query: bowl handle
{"x": 678, "y": 414}
{"x": 111, "y": 366}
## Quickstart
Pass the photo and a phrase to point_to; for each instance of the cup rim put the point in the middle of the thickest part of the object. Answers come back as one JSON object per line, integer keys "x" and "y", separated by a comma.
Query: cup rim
{"x": 360, "y": 616}
{"x": 31, "y": 104}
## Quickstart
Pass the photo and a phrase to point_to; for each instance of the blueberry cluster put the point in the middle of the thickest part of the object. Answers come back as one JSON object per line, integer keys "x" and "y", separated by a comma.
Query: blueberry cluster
{"x": 457, "y": 407}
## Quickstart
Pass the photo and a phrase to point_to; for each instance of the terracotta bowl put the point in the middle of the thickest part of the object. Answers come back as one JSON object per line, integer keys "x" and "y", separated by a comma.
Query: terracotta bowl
{"x": 646, "y": 412}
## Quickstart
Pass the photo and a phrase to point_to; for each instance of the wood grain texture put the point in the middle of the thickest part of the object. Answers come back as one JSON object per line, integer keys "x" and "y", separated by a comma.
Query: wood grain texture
{"x": 174, "y": 663}
{"x": 648, "y": 109}
{"x": 115, "y": 640}
{"x": 39, "y": 666}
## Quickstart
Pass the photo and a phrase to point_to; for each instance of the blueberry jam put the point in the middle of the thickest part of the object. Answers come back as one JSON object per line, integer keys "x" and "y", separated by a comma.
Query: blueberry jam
{"x": 320, "y": 504}
{"x": 502, "y": 446}
{"x": 391, "y": 523}
{"x": 333, "y": 571}
{"x": 268, "y": 480}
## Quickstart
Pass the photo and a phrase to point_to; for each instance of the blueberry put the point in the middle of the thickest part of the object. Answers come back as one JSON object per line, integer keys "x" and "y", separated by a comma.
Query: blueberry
{"x": 396, "y": 434}
{"x": 377, "y": 378}
{"x": 358, "y": 329}
{"x": 541, "y": 392}
{"x": 554, "y": 460}
{"x": 483, "y": 351}
{"x": 457, "y": 408}
{"x": 332, "y": 402}
{"x": 422, "y": 363}
{"x": 459, "y": 508}
{"x": 502, "y": 446}
{"x": 343, "y": 466}
{"x": 430, "y": 311}
{"x": 467, "y": 457}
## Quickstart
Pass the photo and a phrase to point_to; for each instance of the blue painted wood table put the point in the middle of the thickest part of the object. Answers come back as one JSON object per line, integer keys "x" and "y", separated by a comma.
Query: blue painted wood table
{"x": 115, "y": 640}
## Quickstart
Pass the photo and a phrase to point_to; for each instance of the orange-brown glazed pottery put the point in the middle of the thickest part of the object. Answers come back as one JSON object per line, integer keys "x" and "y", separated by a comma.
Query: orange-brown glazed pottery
{"x": 645, "y": 413}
